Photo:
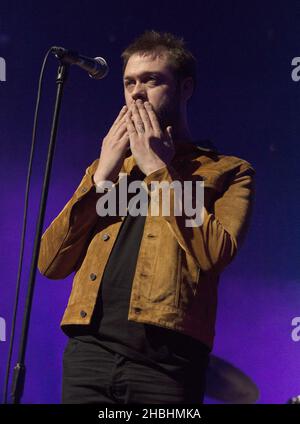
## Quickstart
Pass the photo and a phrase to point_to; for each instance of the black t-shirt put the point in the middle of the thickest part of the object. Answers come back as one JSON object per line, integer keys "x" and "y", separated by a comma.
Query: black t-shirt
{"x": 110, "y": 326}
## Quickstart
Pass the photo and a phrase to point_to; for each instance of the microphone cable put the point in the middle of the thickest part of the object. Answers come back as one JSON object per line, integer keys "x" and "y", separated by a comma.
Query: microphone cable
{"x": 29, "y": 172}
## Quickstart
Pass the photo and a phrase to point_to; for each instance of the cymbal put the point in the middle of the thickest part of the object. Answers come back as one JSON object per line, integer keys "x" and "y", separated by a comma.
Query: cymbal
{"x": 227, "y": 383}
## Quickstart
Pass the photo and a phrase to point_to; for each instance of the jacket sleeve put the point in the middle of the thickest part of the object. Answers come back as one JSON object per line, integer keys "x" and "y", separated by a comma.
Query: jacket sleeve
{"x": 215, "y": 242}
{"x": 67, "y": 236}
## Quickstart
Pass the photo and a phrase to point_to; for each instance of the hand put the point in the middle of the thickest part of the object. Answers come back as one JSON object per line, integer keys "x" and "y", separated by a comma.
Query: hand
{"x": 113, "y": 150}
{"x": 151, "y": 147}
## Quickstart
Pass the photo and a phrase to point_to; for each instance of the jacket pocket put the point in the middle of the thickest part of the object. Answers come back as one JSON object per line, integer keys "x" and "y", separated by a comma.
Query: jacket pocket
{"x": 164, "y": 288}
{"x": 189, "y": 284}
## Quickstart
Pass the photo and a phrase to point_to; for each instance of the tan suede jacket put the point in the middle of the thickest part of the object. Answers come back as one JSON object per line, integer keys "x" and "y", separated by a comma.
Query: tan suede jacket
{"x": 178, "y": 267}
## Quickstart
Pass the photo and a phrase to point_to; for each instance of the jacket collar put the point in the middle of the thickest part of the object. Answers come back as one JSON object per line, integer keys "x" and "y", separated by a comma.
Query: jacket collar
{"x": 190, "y": 148}
{"x": 182, "y": 150}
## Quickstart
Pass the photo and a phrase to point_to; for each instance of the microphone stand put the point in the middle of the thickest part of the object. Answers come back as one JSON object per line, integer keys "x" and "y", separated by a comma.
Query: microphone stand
{"x": 20, "y": 369}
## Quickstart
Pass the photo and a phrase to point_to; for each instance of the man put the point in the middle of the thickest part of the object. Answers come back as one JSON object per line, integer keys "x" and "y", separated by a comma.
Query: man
{"x": 141, "y": 314}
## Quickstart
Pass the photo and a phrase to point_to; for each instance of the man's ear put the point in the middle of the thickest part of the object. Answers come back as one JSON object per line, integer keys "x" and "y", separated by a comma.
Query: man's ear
{"x": 187, "y": 88}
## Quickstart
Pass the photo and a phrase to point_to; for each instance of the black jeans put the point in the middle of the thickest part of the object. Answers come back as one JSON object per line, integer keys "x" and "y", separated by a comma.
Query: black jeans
{"x": 93, "y": 374}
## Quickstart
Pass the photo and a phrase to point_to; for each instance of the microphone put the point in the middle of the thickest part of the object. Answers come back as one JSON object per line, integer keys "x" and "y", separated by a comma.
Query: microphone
{"x": 96, "y": 67}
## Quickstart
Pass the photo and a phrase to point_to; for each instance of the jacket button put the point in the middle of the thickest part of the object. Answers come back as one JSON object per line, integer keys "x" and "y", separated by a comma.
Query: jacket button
{"x": 105, "y": 236}
{"x": 137, "y": 310}
{"x": 83, "y": 314}
{"x": 83, "y": 190}
{"x": 93, "y": 277}
{"x": 150, "y": 235}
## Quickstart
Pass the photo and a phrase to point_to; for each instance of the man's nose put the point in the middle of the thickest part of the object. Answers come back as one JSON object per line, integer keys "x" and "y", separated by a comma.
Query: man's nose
{"x": 139, "y": 92}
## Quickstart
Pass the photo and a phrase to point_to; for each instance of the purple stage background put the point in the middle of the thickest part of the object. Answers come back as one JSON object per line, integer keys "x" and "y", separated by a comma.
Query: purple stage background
{"x": 246, "y": 103}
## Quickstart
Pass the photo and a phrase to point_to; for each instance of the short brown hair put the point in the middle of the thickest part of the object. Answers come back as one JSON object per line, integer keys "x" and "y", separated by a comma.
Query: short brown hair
{"x": 182, "y": 61}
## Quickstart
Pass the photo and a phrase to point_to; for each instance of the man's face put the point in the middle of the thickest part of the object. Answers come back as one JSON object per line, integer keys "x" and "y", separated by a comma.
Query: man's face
{"x": 150, "y": 78}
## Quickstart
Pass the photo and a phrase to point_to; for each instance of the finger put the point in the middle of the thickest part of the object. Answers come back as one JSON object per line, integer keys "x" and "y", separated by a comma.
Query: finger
{"x": 120, "y": 116}
{"x": 119, "y": 124}
{"x": 144, "y": 115}
{"x": 137, "y": 120}
{"x": 125, "y": 138}
{"x": 121, "y": 130}
{"x": 130, "y": 125}
{"x": 152, "y": 117}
